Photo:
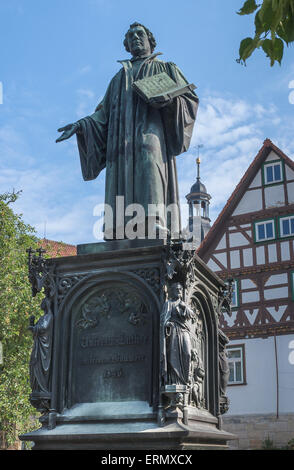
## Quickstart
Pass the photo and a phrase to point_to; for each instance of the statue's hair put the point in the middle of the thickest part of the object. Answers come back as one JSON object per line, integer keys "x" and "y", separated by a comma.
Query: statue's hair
{"x": 148, "y": 32}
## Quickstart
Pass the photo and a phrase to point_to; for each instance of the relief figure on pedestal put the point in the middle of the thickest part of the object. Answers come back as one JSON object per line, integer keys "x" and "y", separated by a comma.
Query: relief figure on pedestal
{"x": 178, "y": 317}
{"x": 182, "y": 349}
{"x": 40, "y": 361}
{"x": 224, "y": 371}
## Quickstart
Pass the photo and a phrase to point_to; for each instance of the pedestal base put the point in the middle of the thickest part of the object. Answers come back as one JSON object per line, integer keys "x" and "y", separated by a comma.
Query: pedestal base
{"x": 106, "y": 364}
{"x": 129, "y": 436}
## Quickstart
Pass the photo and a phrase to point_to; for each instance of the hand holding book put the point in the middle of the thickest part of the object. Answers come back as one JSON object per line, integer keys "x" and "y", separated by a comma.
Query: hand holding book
{"x": 159, "y": 90}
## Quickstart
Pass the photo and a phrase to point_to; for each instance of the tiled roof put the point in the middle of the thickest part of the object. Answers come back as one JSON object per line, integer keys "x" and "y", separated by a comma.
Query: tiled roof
{"x": 240, "y": 189}
{"x": 55, "y": 249}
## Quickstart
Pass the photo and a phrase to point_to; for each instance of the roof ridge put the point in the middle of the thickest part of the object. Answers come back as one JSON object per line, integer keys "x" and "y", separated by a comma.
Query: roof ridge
{"x": 267, "y": 143}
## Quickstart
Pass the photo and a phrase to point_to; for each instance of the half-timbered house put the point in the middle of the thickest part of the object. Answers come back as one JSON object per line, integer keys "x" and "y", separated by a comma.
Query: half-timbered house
{"x": 252, "y": 242}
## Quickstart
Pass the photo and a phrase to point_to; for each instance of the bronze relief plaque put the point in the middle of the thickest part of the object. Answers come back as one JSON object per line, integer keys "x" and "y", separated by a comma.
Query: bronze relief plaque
{"x": 112, "y": 347}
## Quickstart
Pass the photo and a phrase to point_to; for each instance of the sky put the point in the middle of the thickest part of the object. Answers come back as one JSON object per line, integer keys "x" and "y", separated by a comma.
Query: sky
{"x": 57, "y": 59}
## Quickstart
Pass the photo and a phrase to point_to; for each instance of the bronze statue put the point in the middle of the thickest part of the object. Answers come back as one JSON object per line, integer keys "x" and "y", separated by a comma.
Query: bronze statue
{"x": 136, "y": 141}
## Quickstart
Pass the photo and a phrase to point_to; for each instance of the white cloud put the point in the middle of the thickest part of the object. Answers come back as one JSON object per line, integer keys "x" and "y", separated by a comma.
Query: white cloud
{"x": 84, "y": 70}
{"x": 231, "y": 131}
{"x": 86, "y": 102}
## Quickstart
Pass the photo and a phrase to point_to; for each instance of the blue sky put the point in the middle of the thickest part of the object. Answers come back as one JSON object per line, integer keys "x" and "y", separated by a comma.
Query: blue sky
{"x": 57, "y": 59}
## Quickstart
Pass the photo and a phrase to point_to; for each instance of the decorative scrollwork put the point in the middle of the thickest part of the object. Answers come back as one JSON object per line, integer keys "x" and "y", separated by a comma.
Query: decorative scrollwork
{"x": 151, "y": 276}
{"x": 120, "y": 300}
{"x": 65, "y": 284}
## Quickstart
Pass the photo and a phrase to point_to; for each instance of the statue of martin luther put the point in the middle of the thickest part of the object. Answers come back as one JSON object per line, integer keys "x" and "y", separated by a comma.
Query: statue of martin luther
{"x": 136, "y": 141}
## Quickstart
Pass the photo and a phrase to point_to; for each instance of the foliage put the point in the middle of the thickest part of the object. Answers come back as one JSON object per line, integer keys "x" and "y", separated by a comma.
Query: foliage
{"x": 17, "y": 305}
{"x": 274, "y": 27}
{"x": 268, "y": 444}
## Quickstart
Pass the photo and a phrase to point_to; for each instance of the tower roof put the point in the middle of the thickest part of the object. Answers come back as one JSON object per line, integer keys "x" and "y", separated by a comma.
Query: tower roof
{"x": 198, "y": 188}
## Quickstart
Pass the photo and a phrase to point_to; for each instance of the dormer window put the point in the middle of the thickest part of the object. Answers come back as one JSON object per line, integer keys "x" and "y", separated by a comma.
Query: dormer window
{"x": 273, "y": 172}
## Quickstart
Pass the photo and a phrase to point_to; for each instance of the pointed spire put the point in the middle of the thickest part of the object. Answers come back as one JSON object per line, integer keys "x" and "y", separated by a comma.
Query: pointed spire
{"x": 198, "y": 161}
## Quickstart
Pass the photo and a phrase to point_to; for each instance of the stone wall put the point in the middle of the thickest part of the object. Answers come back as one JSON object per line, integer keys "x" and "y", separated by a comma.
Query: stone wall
{"x": 253, "y": 430}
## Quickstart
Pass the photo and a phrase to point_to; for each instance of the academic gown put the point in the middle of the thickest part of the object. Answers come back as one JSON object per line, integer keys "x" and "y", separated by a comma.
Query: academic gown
{"x": 136, "y": 142}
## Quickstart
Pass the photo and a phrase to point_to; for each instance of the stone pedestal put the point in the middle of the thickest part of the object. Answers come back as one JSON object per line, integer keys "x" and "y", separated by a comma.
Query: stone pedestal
{"x": 105, "y": 374}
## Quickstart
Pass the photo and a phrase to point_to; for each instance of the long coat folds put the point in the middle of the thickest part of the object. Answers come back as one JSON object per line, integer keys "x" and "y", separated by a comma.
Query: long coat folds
{"x": 136, "y": 142}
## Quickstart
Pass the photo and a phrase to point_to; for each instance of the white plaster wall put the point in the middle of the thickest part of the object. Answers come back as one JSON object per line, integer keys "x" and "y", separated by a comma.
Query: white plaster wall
{"x": 286, "y": 373}
{"x": 248, "y": 257}
{"x": 272, "y": 156}
{"x": 289, "y": 173}
{"x": 290, "y": 189}
{"x": 272, "y": 253}
{"x": 277, "y": 279}
{"x": 222, "y": 243}
{"x": 274, "y": 196}
{"x": 251, "y": 315}
{"x": 237, "y": 239}
{"x": 276, "y": 293}
{"x": 277, "y": 314}
{"x": 259, "y": 395}
{"x": 235, "y": 259}
{"x": 250, "y": 202}
{"x": 222, "y": 258}
{"x": 285, "y": 251}
{"x": 252, "y": 296}
{"x": 247, "y": 284}
{"x": 213, "y": 266}
{"x": 230, "y": 319}
{"x": 260, "y": 257}
{"x": 256, "y": 180}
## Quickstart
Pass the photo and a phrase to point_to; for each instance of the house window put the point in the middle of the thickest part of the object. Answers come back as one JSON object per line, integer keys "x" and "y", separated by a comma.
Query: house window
{"x": 236, "y": 365}
{"x": 287, "y": 226}
{"x": 265, "y": 230}
{"x": 273, "y": 172}
{"x": 235, "y": 294}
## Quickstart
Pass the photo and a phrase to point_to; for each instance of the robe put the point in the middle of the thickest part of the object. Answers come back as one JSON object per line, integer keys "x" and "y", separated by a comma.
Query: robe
{"x": 40, "y": 362}
{"x": 137, "y": 143}
{"x": 177, "y": 344}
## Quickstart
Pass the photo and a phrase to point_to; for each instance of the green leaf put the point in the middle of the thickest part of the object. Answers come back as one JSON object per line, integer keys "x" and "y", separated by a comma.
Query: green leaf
{"x": 266, "y": 14}
{"x": 286, "y": 29}
{"x": 259, "y": 27}
{"x": 249, "y": 7}
{"x": 247, "y": 46}
{"x": 278, "y": 50}
{"x": 274, "y": 49}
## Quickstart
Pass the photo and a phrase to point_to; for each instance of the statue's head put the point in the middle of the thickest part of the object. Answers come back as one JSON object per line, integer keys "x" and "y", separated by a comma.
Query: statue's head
{"x": 139, "y": 41}
{"x": 177, "y": 290}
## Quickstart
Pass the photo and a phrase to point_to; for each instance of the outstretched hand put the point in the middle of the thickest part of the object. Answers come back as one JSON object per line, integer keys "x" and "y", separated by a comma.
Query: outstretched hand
{"x": 68, "y": 131}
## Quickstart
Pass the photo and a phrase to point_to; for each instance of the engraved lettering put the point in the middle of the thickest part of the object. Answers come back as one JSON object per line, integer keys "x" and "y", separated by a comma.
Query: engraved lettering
{"x": 122, "y": 340}
{"x": 116, "y": 359}
{"x": 113, "y": 374}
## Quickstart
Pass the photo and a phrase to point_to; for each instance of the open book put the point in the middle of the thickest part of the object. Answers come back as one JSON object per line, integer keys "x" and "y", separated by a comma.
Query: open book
{"x": 160, "y": 86}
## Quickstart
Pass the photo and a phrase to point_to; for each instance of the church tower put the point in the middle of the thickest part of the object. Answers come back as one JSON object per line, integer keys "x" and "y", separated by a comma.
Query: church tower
{"x": 198, "y": 200}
